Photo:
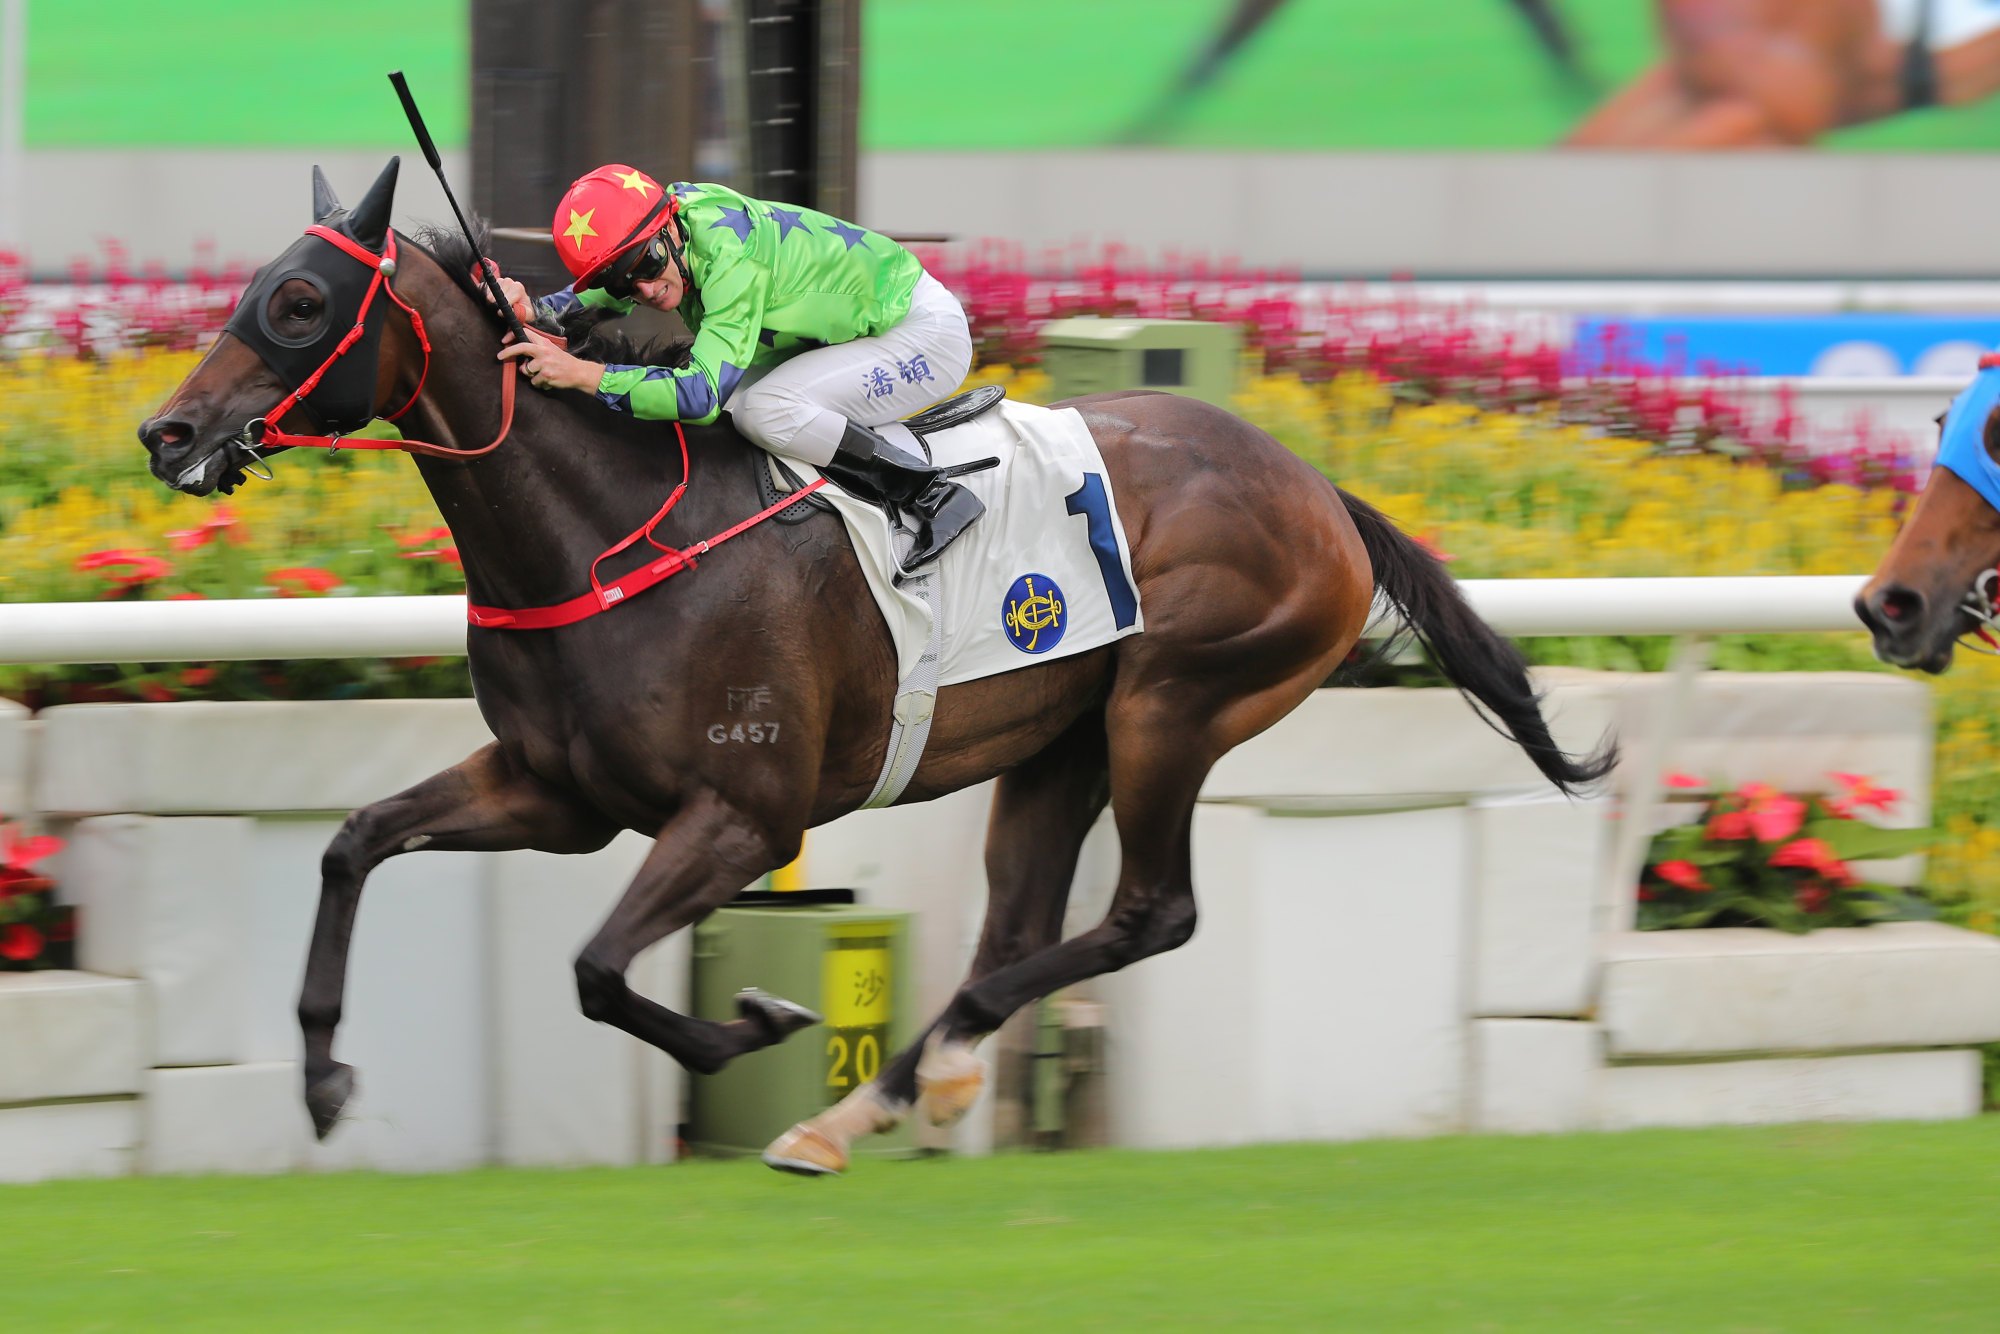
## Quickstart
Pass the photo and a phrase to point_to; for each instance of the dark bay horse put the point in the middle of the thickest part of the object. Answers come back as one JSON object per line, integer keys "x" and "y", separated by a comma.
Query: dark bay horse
{"x": 1256, "y": 576}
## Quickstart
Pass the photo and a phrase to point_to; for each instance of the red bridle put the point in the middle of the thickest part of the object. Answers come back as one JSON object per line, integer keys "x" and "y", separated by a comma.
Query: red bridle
{"x": 602, "y": 596}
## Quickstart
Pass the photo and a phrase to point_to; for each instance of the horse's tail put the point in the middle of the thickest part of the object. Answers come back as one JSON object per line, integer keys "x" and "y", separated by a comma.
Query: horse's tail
{"x": 1486, "y": 668}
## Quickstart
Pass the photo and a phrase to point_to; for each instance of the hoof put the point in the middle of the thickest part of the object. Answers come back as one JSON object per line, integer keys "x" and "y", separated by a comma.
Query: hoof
{"x": 774, "y": 1016}
{"x": 949, "y": 1078}
{"x": 327, "y": 1097}
{"x": 806, "y": 1152}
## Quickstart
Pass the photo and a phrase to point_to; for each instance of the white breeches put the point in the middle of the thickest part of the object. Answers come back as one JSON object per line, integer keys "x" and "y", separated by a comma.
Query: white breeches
{"x": 800, "y": 408}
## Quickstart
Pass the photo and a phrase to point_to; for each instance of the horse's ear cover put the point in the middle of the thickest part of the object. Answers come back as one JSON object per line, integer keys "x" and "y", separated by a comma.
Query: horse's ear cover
{"x": 344, "y": 399}
{"x": 325, "y": 202}
{"x": 369, "y": 222}
{"x": 1962, "y": 445}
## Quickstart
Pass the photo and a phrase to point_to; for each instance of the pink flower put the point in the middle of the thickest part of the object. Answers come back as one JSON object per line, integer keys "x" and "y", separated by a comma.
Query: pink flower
{"x": 1729, "y": 825}
{"x": 1684, "y": 874}
{"x": 1776, "y": 818}
{"x": 1857, "y": 792}
{"x": 1678, "y": 779}
{"x": 18, "y": 854}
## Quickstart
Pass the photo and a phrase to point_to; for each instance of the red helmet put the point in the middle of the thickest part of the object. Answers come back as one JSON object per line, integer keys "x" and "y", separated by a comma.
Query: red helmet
{"x": 605, "y": 214}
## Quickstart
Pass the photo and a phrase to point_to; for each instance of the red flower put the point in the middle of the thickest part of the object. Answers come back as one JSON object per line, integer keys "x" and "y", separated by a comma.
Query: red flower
{"x": 1815, "y": 855}
{"x": 222, "y": 523}
{"x": 20, "y": 942}
{"x": 1857, "y": 792}
{"x": 197, "y": 676}
{"x": 1678, "y": 779}
{"x": 436, "y": 542}
{"x": 187, "y": 597}
{"x": 18, "y": 854}
{"x": 142, "y": 567}
{"x": 1729, "y": 825}
{"x": 1684, "y": 874}
{"x": 155, "y": 693}
{"x": 1812, "y": 898}
{"x": 1429, "y": 542}
{"x": 302, "y": 580}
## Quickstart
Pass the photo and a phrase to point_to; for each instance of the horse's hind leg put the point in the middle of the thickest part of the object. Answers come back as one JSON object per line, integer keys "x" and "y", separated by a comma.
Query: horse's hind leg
{"x": 1162, "y": 741}
{"x": 484, "y": 804}
{"x": 700, "y": 860}
{"x": 1042, "y": 812}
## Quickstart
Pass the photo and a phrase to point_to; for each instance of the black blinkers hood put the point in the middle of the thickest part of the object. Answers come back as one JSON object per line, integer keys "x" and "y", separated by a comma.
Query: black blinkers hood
{"x": 344, "y": 398}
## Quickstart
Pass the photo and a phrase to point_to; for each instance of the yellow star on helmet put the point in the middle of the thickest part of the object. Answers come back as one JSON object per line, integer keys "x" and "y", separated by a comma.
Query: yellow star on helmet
{"x": 634, "y": 180}
{"x": 579, "y": 227}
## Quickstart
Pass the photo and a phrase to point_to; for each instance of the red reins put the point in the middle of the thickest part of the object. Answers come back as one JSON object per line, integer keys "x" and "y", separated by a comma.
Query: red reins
{"x": 602, "y": 596}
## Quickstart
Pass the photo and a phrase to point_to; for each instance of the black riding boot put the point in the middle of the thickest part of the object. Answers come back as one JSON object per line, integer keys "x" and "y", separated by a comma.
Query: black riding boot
{"x": 874, "y": 469}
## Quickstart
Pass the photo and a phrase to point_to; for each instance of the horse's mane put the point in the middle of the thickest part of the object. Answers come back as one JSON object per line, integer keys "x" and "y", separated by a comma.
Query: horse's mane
{"x": 587, "y": 337}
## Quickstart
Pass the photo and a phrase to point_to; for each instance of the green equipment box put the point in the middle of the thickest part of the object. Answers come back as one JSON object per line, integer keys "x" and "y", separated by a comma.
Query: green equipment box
{"x": 850, "y": 963}
{"x": 1095, "y": 356}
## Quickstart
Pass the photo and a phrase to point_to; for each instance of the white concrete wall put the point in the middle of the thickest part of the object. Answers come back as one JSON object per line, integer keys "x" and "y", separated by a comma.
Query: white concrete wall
{"x": 1400, "y": 934}
{"x": 246, "y": 204}
{"x": 1489, "y": 214}
{"x": 460, "y": 1011}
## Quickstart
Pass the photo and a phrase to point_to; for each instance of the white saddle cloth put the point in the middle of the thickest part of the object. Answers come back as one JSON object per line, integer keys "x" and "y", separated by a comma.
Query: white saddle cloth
{"x": 1045, "y": 573}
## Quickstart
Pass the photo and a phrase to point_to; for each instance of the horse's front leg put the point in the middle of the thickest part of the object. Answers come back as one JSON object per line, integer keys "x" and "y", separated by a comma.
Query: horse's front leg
{"x": 487, "y": 803}
{"x": 700, "y": 860}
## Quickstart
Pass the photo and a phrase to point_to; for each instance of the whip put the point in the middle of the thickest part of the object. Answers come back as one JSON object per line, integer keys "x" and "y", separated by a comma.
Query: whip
{"x": 491, "y": 283}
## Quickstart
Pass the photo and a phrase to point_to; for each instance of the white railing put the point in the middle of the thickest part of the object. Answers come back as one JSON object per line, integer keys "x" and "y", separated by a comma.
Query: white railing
{"x": 397, "y": 627}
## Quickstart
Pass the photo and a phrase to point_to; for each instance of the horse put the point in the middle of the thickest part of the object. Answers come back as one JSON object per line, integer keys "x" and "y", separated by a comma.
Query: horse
{"x": 1781, "y": 73}
{"x": 1255, "y": 573}
{"x": 1937, "y": 583}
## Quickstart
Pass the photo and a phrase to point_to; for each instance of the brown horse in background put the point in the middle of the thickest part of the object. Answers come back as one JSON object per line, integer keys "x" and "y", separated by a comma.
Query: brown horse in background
{"x": 1781, "y": 73}
{"x": 1256, "y": 577}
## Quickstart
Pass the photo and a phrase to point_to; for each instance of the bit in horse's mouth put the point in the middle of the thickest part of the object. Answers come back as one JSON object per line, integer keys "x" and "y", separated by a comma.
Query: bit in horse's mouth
{"x": 193, "y": 475}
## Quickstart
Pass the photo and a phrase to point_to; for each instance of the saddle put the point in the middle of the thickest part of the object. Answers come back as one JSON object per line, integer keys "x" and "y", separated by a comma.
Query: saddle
{"x": 954, "y": 411}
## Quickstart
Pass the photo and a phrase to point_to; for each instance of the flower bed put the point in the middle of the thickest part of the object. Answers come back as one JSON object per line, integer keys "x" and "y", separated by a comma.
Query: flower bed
{"x": 35, "y": 931}
{"x": 1759, "y": 857}
{"x": 1486, "y": 445}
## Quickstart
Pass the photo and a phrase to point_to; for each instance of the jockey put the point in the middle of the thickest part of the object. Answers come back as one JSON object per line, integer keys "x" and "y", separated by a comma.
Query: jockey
{"x": 810, "y": 331}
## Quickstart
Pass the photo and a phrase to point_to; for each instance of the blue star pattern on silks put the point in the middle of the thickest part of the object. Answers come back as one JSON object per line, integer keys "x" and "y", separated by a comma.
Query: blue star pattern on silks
{"x": 877, "y": 384}
{"x": 736, "y": 220}
{"x": 696, "y": 397}
{"x": 850, "y": 235}
{"x": 915, "y": 369}
{"x": 789, "y": 221}
{"x": 683, "y": 188}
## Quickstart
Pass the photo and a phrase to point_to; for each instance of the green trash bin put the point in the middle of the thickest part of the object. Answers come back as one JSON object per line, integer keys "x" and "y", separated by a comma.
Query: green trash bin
{"x": 1095, "y": 356}
{"x": 850, "y": 963}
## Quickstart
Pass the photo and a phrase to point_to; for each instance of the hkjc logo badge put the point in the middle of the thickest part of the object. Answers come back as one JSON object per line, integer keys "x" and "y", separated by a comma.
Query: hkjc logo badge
{"x": 1035, "y": 614}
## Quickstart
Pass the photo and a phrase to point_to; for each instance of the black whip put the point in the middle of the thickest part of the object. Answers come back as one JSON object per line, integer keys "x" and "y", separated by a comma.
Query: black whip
{"x": 491, "y": 283}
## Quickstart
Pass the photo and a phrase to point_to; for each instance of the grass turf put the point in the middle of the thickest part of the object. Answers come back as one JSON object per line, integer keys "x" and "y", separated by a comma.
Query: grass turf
{"x": 1805, "y": 1228}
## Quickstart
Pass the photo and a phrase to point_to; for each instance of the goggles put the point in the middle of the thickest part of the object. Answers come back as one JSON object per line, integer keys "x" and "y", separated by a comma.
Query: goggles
{"x": 640, "y": 264}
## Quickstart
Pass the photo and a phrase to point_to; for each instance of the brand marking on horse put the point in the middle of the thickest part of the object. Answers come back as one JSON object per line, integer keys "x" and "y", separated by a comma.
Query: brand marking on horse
{"x": 755, "y": 734}
{"x": 749, "y": 699}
